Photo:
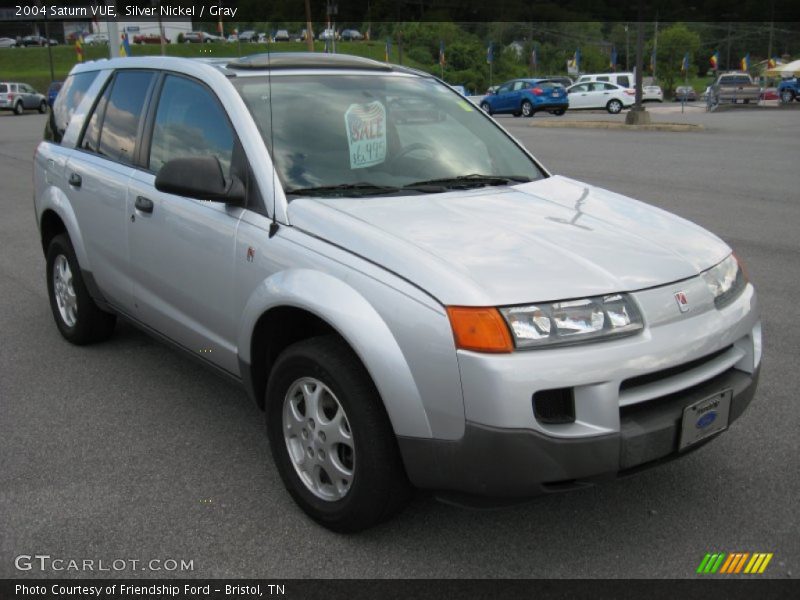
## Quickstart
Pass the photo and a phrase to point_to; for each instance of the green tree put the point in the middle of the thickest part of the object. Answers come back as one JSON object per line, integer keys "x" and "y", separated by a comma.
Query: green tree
{"x": 673, "y": 43}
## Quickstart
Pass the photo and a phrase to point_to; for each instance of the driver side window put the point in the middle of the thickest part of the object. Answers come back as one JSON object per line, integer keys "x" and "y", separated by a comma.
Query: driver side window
{"x": 504, "y": 89}
{"x": 190, "y": 122}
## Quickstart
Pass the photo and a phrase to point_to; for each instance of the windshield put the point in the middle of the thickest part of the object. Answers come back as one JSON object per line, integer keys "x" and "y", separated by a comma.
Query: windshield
{"x": 378, "y": 131}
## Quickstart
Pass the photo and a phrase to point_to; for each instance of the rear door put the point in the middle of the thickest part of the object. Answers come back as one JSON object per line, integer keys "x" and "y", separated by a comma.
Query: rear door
{"x": 598, "y": 95}
{"x": 32, "y": 98}
{"x": 97, "y": 176}
{"x": 182, "y": 249}
{"x": 515, "y": 95}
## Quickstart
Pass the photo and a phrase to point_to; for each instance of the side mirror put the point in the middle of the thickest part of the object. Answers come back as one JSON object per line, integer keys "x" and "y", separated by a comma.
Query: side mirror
{"x": 200, "y": 177}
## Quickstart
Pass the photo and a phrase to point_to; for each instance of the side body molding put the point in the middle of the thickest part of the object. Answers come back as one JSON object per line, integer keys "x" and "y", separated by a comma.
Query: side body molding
{"x": 355, "y": 319}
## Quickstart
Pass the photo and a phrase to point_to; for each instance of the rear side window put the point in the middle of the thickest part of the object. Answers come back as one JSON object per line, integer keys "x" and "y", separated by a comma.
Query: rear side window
{"x": 68, "y": 99}
{"x": 623, "y": 81}
{"x": 190, "y": 122}
{"x": 123, "y": 115}
{"x": 3, "y": 88}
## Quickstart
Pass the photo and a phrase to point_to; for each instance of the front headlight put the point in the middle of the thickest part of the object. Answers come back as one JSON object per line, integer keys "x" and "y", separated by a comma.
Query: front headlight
{"x": 726, "y": 281}
{"x": 573, "y": 321}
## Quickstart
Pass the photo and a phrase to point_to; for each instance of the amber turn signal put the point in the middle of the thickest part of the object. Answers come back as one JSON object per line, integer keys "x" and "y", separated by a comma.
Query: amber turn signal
{"x": 479, "y": 329}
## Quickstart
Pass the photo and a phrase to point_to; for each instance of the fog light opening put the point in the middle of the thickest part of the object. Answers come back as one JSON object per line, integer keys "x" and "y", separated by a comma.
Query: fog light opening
{"x": 556, "y": 406}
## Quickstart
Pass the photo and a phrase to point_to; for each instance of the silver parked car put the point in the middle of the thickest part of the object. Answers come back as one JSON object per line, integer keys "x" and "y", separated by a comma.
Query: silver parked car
{"x": 19, "y": 97}
{"x": 411, "y": 297}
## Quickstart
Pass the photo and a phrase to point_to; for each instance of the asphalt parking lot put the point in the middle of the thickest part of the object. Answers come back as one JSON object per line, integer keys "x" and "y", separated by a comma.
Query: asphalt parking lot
{"x": 130, "y": 450}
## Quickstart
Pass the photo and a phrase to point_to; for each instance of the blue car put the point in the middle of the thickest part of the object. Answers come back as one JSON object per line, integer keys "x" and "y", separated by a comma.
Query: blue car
{"x": 526, "y": 97}
{"x": 52, "y": 92}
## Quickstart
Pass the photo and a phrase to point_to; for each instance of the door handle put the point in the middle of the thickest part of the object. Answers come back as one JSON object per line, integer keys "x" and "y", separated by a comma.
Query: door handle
{"x": 75, "y": 180}
{"x": 143, "y": 204}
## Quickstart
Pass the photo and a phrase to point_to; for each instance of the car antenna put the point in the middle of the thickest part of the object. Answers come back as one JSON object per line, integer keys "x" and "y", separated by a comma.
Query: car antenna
{"x": 273, "y": 227}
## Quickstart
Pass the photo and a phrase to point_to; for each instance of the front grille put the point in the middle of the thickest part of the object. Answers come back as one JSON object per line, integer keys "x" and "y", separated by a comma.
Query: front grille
{"x": 647, "y": 378}
{"x": 655, "y": 404}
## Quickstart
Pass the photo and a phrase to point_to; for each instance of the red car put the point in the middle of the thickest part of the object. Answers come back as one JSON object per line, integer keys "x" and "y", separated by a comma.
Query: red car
{"x": 150, "y": 38}
{"x": 770, "y": 93}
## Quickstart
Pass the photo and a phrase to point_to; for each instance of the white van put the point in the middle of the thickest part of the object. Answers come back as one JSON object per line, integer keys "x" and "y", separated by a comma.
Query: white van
{"x": 624, "y": 79}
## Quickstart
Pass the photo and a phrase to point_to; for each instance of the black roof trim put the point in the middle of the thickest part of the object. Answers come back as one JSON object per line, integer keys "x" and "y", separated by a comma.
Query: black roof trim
{"x": 306, "y": 60}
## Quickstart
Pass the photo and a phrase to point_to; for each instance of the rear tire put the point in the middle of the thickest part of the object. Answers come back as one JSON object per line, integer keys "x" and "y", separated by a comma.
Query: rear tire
{"x": 526, "y": 108}
{"x": 367, "y": 482}
{"x": 787, "y": 96}
{"x": 614, "y": 106}
{"x": 18, "y": 108}
{"x": 77, "y": 316}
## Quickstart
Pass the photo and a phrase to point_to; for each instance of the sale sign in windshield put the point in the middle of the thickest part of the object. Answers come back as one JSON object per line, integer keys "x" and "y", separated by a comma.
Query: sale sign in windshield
{"x": 366, "y": 134}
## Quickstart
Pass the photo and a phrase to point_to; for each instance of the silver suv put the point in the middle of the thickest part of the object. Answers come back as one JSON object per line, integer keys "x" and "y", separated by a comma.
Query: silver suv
{"x": 413, "y": 300}
{"x": 19, "y": 97}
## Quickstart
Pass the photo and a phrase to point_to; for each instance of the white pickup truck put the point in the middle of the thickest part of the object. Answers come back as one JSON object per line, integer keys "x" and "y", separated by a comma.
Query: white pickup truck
{"x": 733, "y": 88}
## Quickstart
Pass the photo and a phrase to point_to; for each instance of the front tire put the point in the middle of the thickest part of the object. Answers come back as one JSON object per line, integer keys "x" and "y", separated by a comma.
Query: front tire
{"x": 526, "y": 108}
{"x": 43, "y": 107}
{"x": 559, "y": 112}
{"x": 331, "y": 440}
{"x": 787, "y": 96}
{"x": 614, "y": 106}
{"x": 77, "y": 316}
{"x": 486, "y": 107}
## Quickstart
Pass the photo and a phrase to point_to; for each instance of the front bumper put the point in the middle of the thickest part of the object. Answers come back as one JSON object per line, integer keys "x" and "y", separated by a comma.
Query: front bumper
{"x": 628, "y": 397}
{"x": 512, "y": 463}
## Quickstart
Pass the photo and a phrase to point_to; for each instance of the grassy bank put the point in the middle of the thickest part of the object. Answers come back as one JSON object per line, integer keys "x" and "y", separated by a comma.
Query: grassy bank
{"x": 32, "y": 65}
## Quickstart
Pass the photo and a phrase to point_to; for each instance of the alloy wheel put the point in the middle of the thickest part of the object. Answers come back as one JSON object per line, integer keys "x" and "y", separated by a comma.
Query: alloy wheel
{"x": 319, "y": 440}
{"x": 66, "y": 300}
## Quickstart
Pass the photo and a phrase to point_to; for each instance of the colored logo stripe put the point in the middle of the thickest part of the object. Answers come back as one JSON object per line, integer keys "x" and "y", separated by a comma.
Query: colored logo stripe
{"x": 711, "y": 563}
{"x": 736, "y": 562}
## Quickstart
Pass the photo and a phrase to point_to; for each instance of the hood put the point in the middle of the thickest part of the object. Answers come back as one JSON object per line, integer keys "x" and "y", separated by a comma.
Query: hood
{"x": 551, "y": 239}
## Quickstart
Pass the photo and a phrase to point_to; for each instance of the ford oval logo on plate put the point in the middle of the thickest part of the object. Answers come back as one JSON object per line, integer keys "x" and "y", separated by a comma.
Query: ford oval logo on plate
{"x": 706, "y": 420}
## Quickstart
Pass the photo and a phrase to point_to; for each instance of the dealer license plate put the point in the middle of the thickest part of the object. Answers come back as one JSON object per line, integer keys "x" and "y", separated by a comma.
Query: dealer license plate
{"x": 705, "y": 418}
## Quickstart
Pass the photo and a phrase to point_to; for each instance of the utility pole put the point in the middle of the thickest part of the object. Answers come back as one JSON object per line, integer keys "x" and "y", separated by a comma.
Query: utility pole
{"x": 113, "y": 31}
{"x": 771, "y": 28}
{"x": 309, "y": 31}
{"x": 655, "y": 49}
{"x": 728, "y": 63}
{"x": 638, "y": 115}
{"x": 627, "y": 48}
{"x": 163, "y": 41}
{"x": 400, "y": 47}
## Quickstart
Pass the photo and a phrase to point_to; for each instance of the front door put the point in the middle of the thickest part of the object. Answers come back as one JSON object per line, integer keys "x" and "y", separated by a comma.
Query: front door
{"x": 579, "y": 96}
{"x": 182, "y": 250}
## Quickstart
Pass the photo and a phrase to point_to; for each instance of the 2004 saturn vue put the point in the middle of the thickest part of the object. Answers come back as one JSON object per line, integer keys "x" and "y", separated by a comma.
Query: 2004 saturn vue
{"x": 411, "y": 297}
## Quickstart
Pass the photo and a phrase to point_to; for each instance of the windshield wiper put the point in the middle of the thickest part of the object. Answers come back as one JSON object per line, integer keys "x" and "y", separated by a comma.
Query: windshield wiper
{"x": 472, "y": 180}
{"x": 343, "y": 189}
{"x": 363, "y": 189}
